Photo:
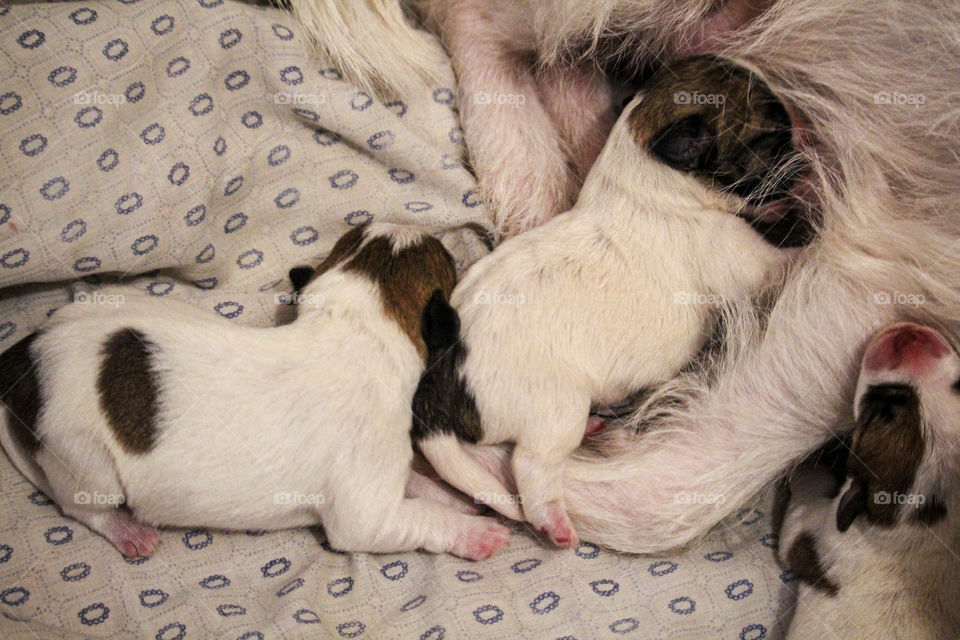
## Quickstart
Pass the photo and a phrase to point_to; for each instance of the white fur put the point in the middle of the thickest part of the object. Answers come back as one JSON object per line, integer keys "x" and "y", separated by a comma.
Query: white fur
{"x": 613, "y": 296}
{"x": 885, "y": 180}
{"x": 256, "y": 428}
{"x": 893, "y": 582}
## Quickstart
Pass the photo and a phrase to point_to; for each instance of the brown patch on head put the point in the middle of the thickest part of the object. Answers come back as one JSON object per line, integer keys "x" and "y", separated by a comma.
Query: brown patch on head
{"x": 128, "y": 389}
{"x": 720, "y": 123}
{"x": 345, "y": 246}
{"x": 886, "y": 451}
{"x": 20, "y": 393}
{"x": 406, "y": 277}
{"x": 805, "y": 562}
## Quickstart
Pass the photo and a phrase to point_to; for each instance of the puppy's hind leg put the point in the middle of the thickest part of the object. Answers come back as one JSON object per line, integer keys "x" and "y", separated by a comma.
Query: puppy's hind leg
{"x": 417, "y": 523}
{"x": 539, "y": 459}
{"x": 85, "y": 486}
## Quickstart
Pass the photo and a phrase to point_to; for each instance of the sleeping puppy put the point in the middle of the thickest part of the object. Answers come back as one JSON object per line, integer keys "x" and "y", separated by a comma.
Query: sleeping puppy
{"x": 879, "y": 557}
{"x": 613, "y": 296}
{"x": 186, "y": 420}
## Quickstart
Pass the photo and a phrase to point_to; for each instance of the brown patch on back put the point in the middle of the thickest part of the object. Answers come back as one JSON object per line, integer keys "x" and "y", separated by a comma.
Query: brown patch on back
{"x": 805, "y": 562}
{"x": 20, "y": 393}
{"x": 128, "y": 389}
{"x": 750, "y": 132}
{"x": 887, "y": 448}
{"x": 406, "y": 278}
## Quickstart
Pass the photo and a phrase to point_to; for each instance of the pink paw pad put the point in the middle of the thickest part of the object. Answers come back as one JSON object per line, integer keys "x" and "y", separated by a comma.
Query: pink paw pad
{"x": 559, "y": 530}
{"x": 481, "y": 541}
{"x": 133, "y": 538}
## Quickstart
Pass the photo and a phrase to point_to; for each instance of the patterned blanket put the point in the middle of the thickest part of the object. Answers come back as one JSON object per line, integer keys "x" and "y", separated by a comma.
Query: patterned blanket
{"x": 197, "y": 149}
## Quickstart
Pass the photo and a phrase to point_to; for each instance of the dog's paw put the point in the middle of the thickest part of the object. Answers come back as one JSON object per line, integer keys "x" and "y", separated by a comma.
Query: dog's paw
{"x": 557, "y": 526}
{"x": 134, "y": 539}
{"x": 483, "y": 539}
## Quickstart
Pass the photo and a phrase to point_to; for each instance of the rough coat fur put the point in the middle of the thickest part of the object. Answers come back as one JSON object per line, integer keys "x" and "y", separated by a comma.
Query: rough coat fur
{"x": 883, "y": 176}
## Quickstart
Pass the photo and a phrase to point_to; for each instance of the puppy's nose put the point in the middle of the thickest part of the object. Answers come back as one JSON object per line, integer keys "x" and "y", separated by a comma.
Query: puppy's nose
{"x": 907, "y": 346}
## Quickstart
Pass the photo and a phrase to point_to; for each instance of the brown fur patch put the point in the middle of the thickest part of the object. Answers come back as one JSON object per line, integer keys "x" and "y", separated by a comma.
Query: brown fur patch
{"x": 747, "y": 131}
{"x": 20, "y": 393}
{"x": 804, "y": 559}
{"x": 128, "y": 389}
{"x": 406, "y": 278}
{"x": 887, "y": 448}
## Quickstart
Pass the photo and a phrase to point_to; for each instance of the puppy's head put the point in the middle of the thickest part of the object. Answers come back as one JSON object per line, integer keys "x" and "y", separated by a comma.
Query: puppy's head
{"x": 409, "y": 267}
{"x": 902, "y": 466}
{"x": 721, "y": 125}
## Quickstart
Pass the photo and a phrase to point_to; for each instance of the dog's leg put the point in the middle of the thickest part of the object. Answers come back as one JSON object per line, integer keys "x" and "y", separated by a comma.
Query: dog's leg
{"x": 515, "y": 147}
{"x": 425, "y": 483}
{"x": 581, "y": 104}
{"x": 418, "y": 523}
{"x": 771, "y": 406}
{"x": 78, "y": 476}
{"x": 539, "y": 458}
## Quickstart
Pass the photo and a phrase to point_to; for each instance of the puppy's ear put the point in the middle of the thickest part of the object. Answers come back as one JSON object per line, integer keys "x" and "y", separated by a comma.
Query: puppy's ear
{"x": 852, "y": 504}
{"x": 685, "y": 145}
{"x": 440, "y": 325}
{"x": 300, "y": 276}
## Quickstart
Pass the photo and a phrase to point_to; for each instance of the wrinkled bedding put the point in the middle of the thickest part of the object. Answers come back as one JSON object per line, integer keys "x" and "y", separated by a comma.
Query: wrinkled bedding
{"x": 197, "y": 149}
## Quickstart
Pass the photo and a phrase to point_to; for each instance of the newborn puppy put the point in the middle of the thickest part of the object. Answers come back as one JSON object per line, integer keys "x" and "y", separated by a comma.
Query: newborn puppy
{"x": 879, "y": 557}
{"x": 616, "y": 294}
{"x": 187, "y": 420}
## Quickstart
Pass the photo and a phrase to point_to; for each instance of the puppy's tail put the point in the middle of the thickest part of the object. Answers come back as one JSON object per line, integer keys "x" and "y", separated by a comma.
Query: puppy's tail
{"x": 459, "y": 468}
{"x": 373, "y": 44}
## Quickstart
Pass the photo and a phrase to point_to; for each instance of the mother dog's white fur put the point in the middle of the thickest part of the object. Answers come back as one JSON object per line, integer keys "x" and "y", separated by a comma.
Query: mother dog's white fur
{"x": 884, "y": 169}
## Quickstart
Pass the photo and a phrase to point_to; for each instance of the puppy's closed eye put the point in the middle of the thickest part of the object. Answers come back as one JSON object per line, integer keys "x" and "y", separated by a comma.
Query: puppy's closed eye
{"x": 685, "y": 145}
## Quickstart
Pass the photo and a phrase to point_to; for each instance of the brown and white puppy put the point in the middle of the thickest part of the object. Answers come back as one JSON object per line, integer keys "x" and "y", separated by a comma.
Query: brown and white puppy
{"x": 156, "y": 413}
{"x": 615, "y": 295}
{"x": 879, "y": 556}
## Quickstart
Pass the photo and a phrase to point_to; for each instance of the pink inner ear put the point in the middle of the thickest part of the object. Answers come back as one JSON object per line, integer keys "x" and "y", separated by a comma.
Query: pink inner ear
{"x": 907, "y": 346}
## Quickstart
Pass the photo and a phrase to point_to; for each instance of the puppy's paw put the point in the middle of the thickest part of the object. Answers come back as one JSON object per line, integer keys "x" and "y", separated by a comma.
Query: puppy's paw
{"x": 481, "y": 540}
{"x": 133, "y": 538}
{"x": 557, "y": 525}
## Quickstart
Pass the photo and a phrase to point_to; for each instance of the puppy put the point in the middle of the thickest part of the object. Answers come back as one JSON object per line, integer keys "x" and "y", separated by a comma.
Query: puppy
{"x": 878, "y": 556}
{"x": 613, "y": 296}
{"x": 187, "y": 420}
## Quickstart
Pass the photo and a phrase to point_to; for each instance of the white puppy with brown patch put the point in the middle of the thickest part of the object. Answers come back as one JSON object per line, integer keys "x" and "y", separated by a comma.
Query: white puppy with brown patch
{"x": 615, "y": 295}
{"x": 879, "y": 555}
{"x": 188, "y": 420}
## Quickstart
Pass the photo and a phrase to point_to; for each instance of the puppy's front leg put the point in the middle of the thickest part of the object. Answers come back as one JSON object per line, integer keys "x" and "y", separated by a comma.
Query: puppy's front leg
{"x": 515, "y": 147}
